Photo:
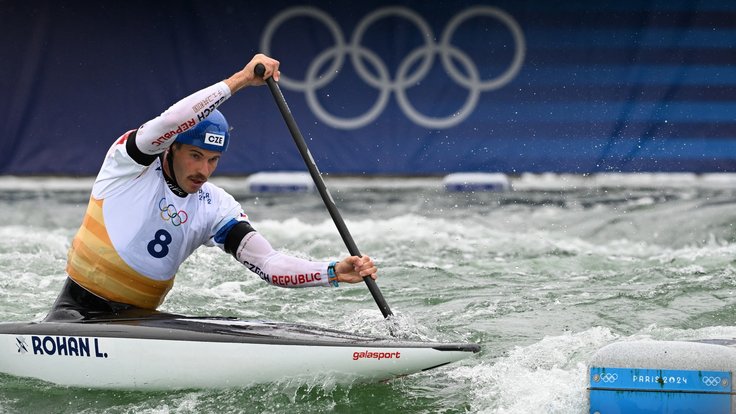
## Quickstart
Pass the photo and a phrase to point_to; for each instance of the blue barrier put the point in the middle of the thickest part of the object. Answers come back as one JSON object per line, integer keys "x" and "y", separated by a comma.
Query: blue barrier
{"x": 635, "y": 390}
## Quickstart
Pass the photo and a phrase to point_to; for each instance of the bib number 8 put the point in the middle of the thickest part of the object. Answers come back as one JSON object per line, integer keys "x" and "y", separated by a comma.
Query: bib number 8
{"x": 159, "y": 246}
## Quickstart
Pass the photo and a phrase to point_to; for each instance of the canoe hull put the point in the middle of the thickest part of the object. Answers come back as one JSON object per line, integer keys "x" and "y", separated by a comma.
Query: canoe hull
{"x": 207, "y": 353}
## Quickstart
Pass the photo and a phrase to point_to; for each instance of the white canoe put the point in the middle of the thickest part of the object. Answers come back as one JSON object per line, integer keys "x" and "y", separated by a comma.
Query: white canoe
{"x": 165, "y": 351}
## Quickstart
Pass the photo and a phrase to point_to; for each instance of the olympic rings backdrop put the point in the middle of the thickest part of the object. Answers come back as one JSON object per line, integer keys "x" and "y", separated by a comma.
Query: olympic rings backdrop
{"x": 381, "y": 87}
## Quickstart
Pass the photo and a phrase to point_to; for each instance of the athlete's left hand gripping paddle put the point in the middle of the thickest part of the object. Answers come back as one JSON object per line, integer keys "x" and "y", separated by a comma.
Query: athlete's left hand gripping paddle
{"x": 319, "y": 182}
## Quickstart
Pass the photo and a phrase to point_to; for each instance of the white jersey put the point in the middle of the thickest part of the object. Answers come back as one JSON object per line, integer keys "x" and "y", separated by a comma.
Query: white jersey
{"x": 137, "y": 232}
{"x": 154, "y": 230}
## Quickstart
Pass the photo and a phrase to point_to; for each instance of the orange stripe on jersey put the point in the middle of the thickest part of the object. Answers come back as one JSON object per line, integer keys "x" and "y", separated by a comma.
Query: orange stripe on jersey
{"x": 95, "y": 265}
{"x": 86, "y": 254}
{"x": 93, "y": 223}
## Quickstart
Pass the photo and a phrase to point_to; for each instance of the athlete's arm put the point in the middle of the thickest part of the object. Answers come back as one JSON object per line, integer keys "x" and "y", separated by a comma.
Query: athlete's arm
{"x": 156, "y": 135}
{"x": 255, "y": 252}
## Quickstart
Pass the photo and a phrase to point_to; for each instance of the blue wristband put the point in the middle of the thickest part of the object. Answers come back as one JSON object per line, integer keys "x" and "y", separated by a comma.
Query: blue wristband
{"x": 331, "y": 275}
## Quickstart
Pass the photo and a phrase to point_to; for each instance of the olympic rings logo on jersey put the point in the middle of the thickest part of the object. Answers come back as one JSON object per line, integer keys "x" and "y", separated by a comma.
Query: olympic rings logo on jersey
{"x": 402, "y": 80}
{"x": 168, "y": 212}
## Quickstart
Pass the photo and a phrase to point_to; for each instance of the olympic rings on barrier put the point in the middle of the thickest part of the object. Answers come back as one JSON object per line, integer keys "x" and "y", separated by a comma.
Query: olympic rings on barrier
{"x": 713, "y": 381}
{"x": 608, "y": 377}
{"x": 168, "y": 212}
{"x": 402, "y": 81}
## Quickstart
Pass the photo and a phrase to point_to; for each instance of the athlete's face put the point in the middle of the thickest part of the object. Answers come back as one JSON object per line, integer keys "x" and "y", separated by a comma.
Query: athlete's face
{"x": 193, "y": 166}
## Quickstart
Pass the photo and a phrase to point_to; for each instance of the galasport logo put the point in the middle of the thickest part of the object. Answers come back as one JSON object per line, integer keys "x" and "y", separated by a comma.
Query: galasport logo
{"x": 376, "y": 355}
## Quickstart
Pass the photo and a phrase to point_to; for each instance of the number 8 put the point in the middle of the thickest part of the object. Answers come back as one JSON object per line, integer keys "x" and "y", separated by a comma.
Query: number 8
{"x": 161, "y": 238}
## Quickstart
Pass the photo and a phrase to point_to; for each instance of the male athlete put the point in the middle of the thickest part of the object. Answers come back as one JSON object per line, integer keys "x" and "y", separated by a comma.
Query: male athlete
{"x": 151, "y": 207}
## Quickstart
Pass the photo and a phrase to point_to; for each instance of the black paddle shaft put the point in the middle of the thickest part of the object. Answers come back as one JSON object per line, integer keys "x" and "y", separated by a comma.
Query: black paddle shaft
{"x": 320, "y": 183}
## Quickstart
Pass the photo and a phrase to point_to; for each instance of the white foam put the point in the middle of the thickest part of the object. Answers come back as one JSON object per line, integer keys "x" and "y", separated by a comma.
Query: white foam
{"x": 524, "y": 181}
{"x": 546, "y": 376}
{"x": 551, "y": 181}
